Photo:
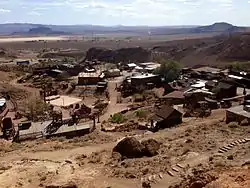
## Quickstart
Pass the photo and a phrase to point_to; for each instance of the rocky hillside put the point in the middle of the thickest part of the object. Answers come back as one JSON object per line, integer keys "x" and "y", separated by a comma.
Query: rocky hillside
{"x": 224, "y": 48}
{"x": 220, "y": 27}
{"x": 136, "y": 54}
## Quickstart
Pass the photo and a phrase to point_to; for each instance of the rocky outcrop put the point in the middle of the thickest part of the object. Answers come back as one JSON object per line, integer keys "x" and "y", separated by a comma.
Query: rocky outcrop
{"x": 130, "y": 147}
{"x": 136, "y": 54}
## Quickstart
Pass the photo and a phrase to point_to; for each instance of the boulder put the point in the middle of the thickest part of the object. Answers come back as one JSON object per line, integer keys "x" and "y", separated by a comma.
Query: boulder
{"x": 244, "y": 122}
{"x": 129, "y": 147}
{"x": 151, "y": 147}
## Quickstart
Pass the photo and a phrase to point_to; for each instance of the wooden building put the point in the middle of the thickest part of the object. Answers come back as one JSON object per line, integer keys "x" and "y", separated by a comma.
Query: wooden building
{"x": 174, "y": 98}
{"x": 112, "y": 73}
{"x": 225, "y": 90}
{"x": 143, "y": 80}
{"x": 90, "y": 78}
{"x": 238, "y": 114}
{"x": 23, "y": 62}
{"x": 165, "y": 117}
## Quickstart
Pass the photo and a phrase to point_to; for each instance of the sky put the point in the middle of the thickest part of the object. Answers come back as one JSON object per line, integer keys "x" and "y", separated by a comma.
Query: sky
{"x": 126, "y": 12}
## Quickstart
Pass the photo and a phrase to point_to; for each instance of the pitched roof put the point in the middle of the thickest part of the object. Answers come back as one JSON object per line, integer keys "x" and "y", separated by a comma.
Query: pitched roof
{"x": 211, "y": 83}
{"x": 175, "y": 95}
{"x": 165, "y": 111}
{"x": 207, "y": 69}
{"x": 223, "y": 85}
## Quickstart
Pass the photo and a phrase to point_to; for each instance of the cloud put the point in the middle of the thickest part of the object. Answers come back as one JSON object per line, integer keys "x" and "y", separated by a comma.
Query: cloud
{"x": 34, "y": 13}
{"x": 113, "y": 12}
{"x": 4, "y": 10}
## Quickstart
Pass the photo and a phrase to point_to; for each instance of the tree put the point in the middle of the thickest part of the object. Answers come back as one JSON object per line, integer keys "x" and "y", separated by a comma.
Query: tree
{"x": 236, "y": 66}
{"x": 169, "y": 70}
{"x": 36, "y": 109}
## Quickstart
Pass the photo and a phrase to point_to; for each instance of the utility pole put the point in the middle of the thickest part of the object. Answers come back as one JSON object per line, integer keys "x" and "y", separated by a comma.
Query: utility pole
{"x": 149, "y": 35}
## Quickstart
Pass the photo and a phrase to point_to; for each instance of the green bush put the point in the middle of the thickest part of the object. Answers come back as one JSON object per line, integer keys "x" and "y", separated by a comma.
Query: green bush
{"x": 169, "y": 70}
{"x": 141, "y": 113}
{"x": 139, "y": 97}
{"x": 117, "y": 118}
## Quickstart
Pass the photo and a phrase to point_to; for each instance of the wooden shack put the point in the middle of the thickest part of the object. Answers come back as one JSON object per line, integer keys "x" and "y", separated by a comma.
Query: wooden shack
{"x": 225, "y": 90}
{"x": 166, "y": 117}
{"x": 143, "y": 80}
{"x": 89, "y": 78}
{"x": 174, "y": 98}
{"x": 238, "y": 114}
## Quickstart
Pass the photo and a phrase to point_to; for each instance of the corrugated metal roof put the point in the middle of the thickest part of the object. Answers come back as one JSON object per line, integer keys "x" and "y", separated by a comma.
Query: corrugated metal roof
{"x": 132, "y": 65}
{"x": 90, "y": 74}
{"x": 143, "y": 76}
{"x": 224, "y": 85}
{"x": 208, "y": 69}
{"x": 239, "y": 110}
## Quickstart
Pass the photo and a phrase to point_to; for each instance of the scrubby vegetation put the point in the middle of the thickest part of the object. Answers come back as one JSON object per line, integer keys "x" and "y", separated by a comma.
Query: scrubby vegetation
{"x": 118, "y": 118}
{"x": 169, "y": 70}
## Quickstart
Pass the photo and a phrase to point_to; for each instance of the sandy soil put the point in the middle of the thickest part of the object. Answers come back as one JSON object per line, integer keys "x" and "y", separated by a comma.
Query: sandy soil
{"x": 25, "y": 39}
{"x": 6, "y": 77}
{"x": 88, "y": 162}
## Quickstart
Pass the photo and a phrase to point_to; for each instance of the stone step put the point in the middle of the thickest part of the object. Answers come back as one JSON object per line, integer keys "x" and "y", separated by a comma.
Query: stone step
{"x": 237, "y": 142}
{"x": 223, "y": 149}
{"x": 175, "y": 169}
{"x": 151, "y": 178}
{"x": 233, "y": 143}
{"x": 179, "y": 165}
{"x": 243, "y": 141}
{"x": 227, "y": 148}
{"x": 170, "y": 173}
{"x": 218, "y": 154}
{"x": 240, "y": 141}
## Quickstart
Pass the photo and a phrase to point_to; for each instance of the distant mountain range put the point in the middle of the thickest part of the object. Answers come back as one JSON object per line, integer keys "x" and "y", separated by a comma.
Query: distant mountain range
{"x": 39, "y": 29}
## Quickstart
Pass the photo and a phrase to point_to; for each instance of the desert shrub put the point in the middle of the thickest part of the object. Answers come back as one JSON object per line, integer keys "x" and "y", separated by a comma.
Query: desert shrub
{"x": 141, "y": 113}
{"x": 233, "y": 125}
{"x": 117, "y": 118}
{"x": 36, "y": 109}
{"x": 139, "y": 97}
{"x": 219, "y": 163}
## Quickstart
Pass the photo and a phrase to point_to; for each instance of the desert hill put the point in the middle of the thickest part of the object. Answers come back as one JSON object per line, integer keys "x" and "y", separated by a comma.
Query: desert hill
{"x": 41, "y": 30}
{"x": 218, "y": 28}
{"x": 224, "y": 48}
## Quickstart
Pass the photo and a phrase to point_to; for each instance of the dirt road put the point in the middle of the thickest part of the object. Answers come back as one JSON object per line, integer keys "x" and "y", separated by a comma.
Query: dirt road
{"x": 113, "y": 106}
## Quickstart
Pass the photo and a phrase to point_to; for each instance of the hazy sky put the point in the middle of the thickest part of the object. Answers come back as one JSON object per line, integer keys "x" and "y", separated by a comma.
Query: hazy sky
{"x": 126, "y": 12}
